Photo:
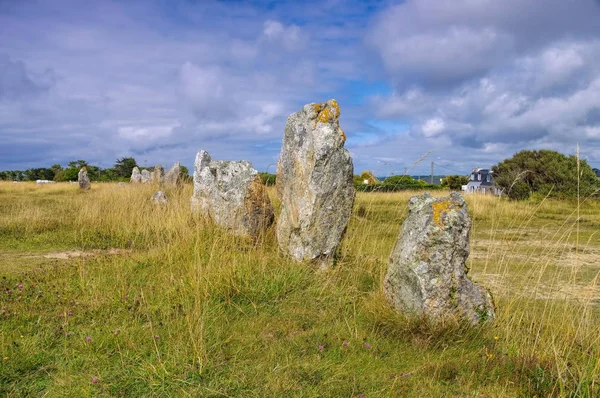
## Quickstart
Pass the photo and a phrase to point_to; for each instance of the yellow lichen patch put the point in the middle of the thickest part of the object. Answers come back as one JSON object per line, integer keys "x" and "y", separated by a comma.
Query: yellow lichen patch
{"x": 441, "y": 208}
{"x": 324, "y": 115}
{"x": 336, "y": 106}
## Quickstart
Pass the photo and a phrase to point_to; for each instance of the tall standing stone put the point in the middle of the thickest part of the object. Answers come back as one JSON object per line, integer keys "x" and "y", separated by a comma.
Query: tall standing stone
{"x": 146, "y": 177}
{"x": 83, "y": 179}
{"x": 315, "y": 184}
{"x": 158, "y": 175}
{"x": 136, "y": 176}
{"x": 173, "y": 176}
{"x": 427, "y": 273}
{"x": 231, "y": 194}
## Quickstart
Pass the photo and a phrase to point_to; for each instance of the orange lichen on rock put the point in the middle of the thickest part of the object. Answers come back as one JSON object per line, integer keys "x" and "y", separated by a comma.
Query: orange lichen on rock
{"x": 343, "y": 135}
{"x": 324, "y": 112}
{"x": 441, "y": 208}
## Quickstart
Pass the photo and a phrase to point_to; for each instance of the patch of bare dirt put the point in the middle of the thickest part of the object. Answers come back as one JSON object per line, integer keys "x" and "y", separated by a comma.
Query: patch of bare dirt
{"x": 77, "y": 253}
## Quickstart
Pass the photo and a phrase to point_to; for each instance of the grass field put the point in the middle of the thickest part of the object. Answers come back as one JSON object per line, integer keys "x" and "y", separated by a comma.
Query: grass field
{"x": 104, "y": 294}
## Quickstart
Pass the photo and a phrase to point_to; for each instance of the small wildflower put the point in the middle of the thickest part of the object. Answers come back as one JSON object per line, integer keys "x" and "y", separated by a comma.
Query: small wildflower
{"x": 20, "y": 286}
{"x": 61, "y": 315}
{"x": 5, "y": 359}
{"x": 68, "y": 334}
{"x": 367, "y": 345}
{"x": 155, "y": 337}
{"x": 94, "y": 380}
{"x": 70, "y": 313}
{"x": 88, "y": 339}
{"x": 21, "y": 336}
{"x": 496, "y": 338}
{"x": 321, "y": 348}
{"x": 345, "y": 344}
{"x": 361, "y": 396}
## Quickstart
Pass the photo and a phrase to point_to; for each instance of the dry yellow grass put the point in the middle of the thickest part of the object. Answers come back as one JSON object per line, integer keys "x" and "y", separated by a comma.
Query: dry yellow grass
{"x": 232, "y": 317}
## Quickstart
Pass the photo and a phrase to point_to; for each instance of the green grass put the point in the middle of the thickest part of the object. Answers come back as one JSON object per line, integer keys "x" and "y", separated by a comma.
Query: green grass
{"x": 184, "y": 309}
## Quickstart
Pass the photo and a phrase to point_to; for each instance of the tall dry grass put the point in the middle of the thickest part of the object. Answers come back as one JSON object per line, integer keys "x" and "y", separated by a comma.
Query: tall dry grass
{"x": 236, "y": 318}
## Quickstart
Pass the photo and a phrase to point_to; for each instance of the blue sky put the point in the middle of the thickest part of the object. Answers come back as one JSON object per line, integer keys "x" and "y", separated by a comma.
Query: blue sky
{"x": 474, "y": 81}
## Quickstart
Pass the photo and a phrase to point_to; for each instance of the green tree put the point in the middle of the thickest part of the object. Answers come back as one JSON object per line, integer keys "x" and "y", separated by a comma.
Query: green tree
{"x": 124, "y": 167}
{"x": 455, "y": 182}
{"x": 544, "y": 172}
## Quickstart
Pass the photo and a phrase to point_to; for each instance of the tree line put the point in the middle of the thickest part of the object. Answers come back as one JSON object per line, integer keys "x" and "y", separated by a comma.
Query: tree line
{"x": 121, "y": 171}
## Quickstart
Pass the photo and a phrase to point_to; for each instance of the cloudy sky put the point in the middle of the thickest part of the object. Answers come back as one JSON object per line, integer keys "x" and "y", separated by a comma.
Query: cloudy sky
{"x": 472, "y": 80}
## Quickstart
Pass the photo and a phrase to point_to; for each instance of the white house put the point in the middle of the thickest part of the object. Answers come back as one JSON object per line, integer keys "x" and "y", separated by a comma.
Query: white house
{"x": 482, "y": 181}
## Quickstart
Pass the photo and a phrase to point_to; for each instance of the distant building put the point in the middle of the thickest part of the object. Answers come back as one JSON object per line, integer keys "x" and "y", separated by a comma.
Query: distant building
{"x": 482, "y": 181}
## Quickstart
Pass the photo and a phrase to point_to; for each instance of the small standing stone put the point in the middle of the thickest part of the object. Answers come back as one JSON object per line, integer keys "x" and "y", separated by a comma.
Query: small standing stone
{"x": 160, "y": 198}
{"x": 173, "y": 176}
{"x": 232, "y": 194}
{"x": 146, "y": 177}
{"x": 136, "y": 176}
{"x": 83, "y": 179}
{"x": 158, "y": 175}
{"x": 427, "y": 273}
{"x": 315, "y": 184}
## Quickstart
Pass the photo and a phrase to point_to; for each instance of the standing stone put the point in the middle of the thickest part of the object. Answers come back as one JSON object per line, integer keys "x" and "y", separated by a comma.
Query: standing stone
{"x": 173, "y": 176}
{"x": 136, "y": 176}
{"x": 427, "y": 273}
{"x": 231, "y": 194}
{"x": 146, "y": 177}
{"x": 315, "y": 184}
{"x": 83, "y": 179}
{"x": 160, "y": 198}
{"x": 158, "y": 175}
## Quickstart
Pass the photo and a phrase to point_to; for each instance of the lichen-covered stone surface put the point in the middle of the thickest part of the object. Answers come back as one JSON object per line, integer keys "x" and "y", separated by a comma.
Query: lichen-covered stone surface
{"x": 158, "y": 175}
{"x": 146, "y": 177}
{"x": 231, "y": 194}
{"x": 160, "y": 198}
{"x": 173, "y": 176}
{"x": 136, "y": 176}
{"x": 83, "y": 179}
{"x": 427, "y": 273}
{"x": 315, "y": 184}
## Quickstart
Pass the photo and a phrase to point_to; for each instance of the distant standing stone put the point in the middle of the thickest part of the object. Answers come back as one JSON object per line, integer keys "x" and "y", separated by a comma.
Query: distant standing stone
{"x": 231, "y": 194}
{"x": 136, "y": 176}
{"x": 158, "y": 175}
{"x": 173, "y": 176}
{"x": 160, "y": 198}
{"x": 83, "y": 179}
{"x": 427, "y": 273}
{"x": 146, "y": 177}
{"x": 315, "y": 184}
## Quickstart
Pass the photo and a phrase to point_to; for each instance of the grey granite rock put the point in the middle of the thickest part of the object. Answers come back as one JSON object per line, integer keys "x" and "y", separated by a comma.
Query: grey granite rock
{"x": 315, "y": 184}
{"x": 146, "y": 177}
{"x": 136, "y": 176}
{"x": 83, "y": 179}
{"x": 173, "y": 176}
{"x": 427, "y": 273}
{"x": 160, "y": 198}
{"x": 231, "y": 194}
{"x": 158, "y": 175}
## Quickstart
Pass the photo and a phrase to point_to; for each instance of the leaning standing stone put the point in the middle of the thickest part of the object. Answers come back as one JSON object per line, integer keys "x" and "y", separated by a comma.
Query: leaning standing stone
{"x": 173, "y": 176}
{"x": 232, "y": 194}
{"x": 427, "y": 273}
{"x": 315, "y": 184}
{"x": 146, "y": 177}
{"x": 160, "y": 198}
{"x": 136, "y": 176}
{"x": 83, "y": 179}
